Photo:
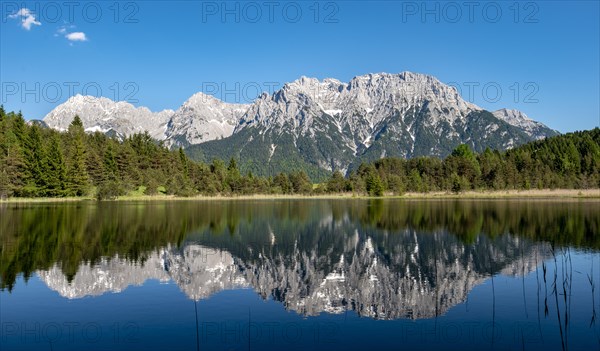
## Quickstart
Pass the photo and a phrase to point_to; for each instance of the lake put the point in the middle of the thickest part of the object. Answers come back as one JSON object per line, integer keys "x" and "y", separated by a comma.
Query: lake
{"x": 301, "y": 274}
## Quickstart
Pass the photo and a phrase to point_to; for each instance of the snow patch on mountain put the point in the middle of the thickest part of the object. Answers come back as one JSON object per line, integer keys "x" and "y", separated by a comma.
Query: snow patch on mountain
{"x": 202, "y": 118}
{"x": 352, "y": 115}
{"x": 103, "y": 114}
{"x": 519, "y": 119}
{"x": 358, "y": 106}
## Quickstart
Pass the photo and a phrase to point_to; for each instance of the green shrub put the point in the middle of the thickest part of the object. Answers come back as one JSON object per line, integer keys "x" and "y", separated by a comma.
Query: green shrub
{"x": 109, "y": 190}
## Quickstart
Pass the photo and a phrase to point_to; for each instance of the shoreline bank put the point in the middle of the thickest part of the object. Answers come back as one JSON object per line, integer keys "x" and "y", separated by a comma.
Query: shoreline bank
{"x": 545, "y": 194}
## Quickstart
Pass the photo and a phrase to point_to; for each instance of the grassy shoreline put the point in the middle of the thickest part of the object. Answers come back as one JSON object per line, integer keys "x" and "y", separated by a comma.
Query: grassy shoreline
{"x": 547, "y": 194}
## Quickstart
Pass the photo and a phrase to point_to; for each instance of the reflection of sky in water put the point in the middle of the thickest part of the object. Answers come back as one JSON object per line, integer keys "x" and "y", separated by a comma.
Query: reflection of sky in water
{"x": 157, "y": 315}
{"x": 326, "y": 284}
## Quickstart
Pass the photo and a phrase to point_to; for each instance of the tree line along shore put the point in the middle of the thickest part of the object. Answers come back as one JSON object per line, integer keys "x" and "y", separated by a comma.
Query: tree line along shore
{"x": 37, "y": 162}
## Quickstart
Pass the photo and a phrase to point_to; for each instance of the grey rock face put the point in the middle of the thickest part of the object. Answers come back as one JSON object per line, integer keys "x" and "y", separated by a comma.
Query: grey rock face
{"x": 332, "y": 125}
{"x": 103, "y": 115}
{"x": 202, "y": 118}
{"x": 518, "y": 119}
{"x": 326, "y": 123}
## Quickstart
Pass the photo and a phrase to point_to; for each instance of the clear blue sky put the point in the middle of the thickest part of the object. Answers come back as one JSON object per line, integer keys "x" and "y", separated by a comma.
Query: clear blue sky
{"x": 544, "y": 56}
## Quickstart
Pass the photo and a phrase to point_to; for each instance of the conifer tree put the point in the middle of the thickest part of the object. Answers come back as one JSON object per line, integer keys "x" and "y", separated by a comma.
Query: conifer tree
{"x": 184, "y": 163}
{"x": 19, "y": 128}
{"x": 78, "y": 178}
{"x": 110, "y": 163}
{"x": 94, "y": 166}
{"x": 54, "y": 172}
{"x": 5, "y": 188}
{"x": 76, "y": 125}
{"x": 373, "y": 184}
{"x": 34, "y": 157}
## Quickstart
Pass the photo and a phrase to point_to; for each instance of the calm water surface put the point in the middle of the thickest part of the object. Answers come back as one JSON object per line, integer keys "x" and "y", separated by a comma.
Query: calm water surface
{"x": 300, "y": 274}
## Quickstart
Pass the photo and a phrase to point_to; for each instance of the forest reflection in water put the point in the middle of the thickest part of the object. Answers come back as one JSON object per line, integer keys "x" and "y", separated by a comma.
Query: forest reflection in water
{"x": 381, "y": 259}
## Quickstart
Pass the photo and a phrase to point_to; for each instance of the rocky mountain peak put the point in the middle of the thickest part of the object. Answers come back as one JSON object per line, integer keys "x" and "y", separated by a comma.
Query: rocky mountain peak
{"x": 513, "y": 117}
{"x": 103, "y": 115}
{"x": 202, "y": 118}
{"x": 405, "y": 114}
{"x": 519, "y": 119}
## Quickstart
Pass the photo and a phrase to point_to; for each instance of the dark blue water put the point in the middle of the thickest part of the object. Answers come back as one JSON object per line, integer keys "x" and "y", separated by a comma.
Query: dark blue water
{"x": 314, "y": 274}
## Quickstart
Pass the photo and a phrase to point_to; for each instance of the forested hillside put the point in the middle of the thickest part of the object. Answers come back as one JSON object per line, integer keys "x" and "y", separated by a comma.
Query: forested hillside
{"x": 42, "y": 162}
{"x": 569, "y": 161}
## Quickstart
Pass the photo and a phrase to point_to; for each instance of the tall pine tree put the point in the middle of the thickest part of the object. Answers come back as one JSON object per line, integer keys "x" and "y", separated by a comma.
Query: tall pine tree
{"x": 34, "y": 155}
{"x": 54, "y": 171}
{"x": 110, "y": 163}
{"x": 78, "y": 180}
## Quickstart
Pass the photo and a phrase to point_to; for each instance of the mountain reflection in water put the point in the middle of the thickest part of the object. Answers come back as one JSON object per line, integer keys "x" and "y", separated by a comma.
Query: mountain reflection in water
{"x": 383, "y": 259}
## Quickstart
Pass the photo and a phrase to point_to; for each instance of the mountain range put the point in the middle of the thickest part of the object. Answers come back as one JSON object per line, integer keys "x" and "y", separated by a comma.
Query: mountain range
{"x": 316, "y": 125}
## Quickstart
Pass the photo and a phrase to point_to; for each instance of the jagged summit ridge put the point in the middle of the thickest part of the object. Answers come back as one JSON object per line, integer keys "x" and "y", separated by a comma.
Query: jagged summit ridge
{"x": 103, "y": 114}
{"x": 360, "y": 107}
{"x": 330, "y": 125}
{"x": 327, "y": 124}
{"x": 202, "y": 118}
{"x": 518, "y": 119}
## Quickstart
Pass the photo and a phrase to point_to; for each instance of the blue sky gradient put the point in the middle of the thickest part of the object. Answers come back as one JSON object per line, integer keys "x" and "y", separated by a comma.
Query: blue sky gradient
{"x": 542, "y": 58}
